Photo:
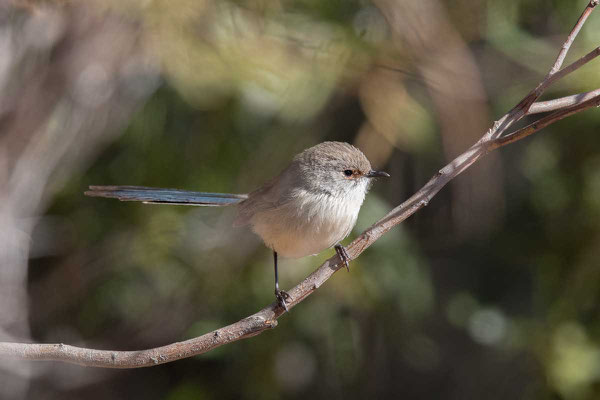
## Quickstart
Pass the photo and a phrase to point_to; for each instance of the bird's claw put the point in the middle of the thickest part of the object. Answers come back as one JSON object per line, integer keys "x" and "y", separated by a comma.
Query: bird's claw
{"x": 281, "y": 297}
{"x": 343, "y": 255}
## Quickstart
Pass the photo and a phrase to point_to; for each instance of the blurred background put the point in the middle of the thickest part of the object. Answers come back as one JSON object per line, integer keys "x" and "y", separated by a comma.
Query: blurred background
{"x": 491, "y": 292}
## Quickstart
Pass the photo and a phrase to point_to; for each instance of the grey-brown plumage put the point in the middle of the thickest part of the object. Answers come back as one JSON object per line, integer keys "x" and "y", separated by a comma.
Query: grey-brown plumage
{"x": 310, "y": 206}
{"x": 312, "y": 199}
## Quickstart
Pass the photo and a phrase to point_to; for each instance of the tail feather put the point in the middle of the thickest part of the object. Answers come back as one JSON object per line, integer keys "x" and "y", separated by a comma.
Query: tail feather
{"x": 165, "y": 196}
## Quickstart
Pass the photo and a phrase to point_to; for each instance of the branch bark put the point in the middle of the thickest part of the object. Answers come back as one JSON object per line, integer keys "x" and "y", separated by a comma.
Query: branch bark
{"x": 267, "y": 317}
{"x": 562, "y": 103}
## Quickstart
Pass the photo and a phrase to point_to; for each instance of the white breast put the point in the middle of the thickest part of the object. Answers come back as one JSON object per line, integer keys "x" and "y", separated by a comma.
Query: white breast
{"x": 309, "y": 223}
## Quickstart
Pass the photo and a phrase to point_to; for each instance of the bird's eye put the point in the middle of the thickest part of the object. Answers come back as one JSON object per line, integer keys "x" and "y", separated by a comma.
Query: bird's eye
{"x": 348, "y": 172}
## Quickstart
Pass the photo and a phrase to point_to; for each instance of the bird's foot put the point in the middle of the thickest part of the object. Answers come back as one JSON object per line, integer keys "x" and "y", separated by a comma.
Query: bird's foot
{"x": 343, "y": 254}
{"x": 281, "y": 297}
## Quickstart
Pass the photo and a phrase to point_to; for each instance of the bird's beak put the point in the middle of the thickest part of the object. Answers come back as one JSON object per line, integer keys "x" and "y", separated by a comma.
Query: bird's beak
{"x": 377, "y": 174}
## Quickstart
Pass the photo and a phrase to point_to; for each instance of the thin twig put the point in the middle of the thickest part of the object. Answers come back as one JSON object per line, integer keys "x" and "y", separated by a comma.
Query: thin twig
{"x": 267, "y": 317}
{"x": 555, "y": 74}
{"x": 242, "y": 329}
{"x": 569, "y": 68}
{"x": 541, "y": 123}
{"x": 561, "y": 103}
{"x": 571, "y": 38}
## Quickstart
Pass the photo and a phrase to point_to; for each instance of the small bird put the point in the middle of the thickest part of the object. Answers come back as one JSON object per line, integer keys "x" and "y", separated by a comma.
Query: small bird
{"x": 312, "y": 205}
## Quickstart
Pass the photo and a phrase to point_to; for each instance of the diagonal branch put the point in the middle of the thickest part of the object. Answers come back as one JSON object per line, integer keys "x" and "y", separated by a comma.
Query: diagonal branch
{"x": 593, "y": 101}
{"x": 571, "y": 38}
{"x": 561, "y": 103}
{"x": 550, "y": 79}
{"x": 267, "y": 317}
{"x": 555, "y": 74}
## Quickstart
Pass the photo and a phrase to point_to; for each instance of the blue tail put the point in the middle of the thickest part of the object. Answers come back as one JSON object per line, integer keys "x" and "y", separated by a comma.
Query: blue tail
{"x": 165, "y": 196}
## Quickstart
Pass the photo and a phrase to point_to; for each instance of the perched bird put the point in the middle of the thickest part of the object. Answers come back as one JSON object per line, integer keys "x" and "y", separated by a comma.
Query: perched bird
{"x": 310, "y": 206}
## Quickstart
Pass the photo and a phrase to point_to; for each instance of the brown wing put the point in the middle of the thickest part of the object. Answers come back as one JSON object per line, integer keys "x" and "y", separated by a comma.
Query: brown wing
{"x": 272, "y": 194}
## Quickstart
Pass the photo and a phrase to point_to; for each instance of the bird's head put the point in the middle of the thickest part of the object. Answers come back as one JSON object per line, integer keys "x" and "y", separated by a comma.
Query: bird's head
{"x": 336, "y": 168}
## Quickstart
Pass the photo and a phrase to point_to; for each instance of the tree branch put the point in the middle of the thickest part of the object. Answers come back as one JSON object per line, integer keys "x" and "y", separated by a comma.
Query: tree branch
{"x": 550, "y": 79}
{"x": 571, "y": 38}
{"x": 561, "y": 103}
{"x": 544, "y": 122}
{"x": 267, "y": 317}
{"x": 555, "y": 74}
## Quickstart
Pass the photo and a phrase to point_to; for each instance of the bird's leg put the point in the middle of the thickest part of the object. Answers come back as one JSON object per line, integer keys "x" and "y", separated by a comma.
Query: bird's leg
{"x": 280, "y": 295}
{"x": 343, "y": 255}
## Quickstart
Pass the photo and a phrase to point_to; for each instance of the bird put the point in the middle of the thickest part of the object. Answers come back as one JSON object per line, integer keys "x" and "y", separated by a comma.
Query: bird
{"x": 311, "y": 206}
